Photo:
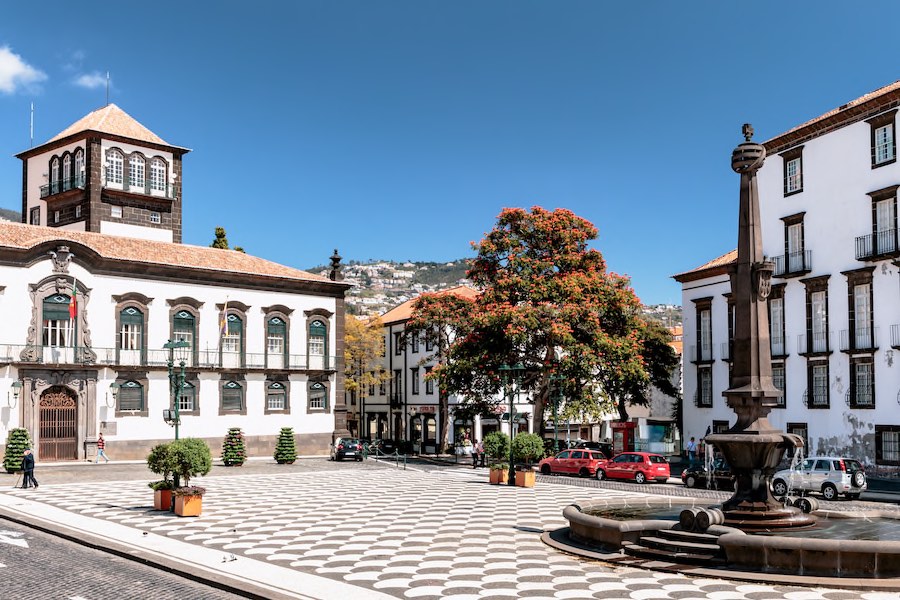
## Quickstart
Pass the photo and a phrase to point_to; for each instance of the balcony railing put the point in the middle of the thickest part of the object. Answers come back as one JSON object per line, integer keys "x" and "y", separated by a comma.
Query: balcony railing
{"x": 141, "y": 187}
{"x": 863, "y": 338}
{"x": 876, "y": 246}
{"x": 204, "y": 359}
{"x": 778, "y": 344}
{"x": 817, "y": 342}
{"x": 793, "y": 263}
{"x": 63, "y": 185}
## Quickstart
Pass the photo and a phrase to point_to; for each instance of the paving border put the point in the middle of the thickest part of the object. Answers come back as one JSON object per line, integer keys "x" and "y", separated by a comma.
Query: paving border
{"x": 559, "y": 540}
{"x": 189, "y": 561}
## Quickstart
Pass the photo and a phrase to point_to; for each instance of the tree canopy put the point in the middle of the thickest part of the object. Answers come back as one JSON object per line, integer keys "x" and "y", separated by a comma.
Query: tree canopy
{"x": 221, "y": 241}
{"x": 548, "y": 307}
{"x": 363, "y": 345}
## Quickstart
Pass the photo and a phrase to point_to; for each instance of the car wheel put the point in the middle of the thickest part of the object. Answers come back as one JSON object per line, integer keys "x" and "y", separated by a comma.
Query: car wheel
{"x": 859, "y": 479}
{"x": 779, "y": 487}
{"x": 584, "y": 473}
{"x": 545, "y": 470}
{"x": 640, "y": 478}
{"x": 601, "y": 474}
{"x": 829, "y": 491}
{"x": 852, "y": 496}
{"x": 690, "y": 482}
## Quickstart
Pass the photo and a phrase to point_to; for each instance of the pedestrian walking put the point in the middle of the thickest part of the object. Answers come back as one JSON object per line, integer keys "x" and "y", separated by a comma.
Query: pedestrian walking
{"x": 692, "y": 451}
{"x": 28, "y": 469}
{"x": 478, "y": 454}
{"x": 101, "y": 450}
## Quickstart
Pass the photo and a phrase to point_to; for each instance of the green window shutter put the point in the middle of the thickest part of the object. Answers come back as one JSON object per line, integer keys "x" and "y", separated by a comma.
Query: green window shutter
{"x": 132, "y": 316}
{"x": 131, "y": 396}
{"x": 277, "y": 326}
{"x": 56, "y": 308}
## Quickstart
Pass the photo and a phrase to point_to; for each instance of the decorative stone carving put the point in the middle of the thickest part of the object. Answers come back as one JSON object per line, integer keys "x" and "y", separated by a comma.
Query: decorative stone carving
{"x": 61, "y": 259}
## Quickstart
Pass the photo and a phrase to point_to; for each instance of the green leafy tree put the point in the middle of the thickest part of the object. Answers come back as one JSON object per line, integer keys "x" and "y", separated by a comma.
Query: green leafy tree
{"x": 221, "y": 241}
{"x": 363, "y": 345}
{"x": 528, "y": 447}
{"x": 191, "y": 458}
{"x": 548, "y": 307}
{"x": 162, "y": 462}
{"x": 17, "y": 442}
{"x": 286, "y": 447}
{"x": 496, "y": 445}
{"x": 234, "y": 452}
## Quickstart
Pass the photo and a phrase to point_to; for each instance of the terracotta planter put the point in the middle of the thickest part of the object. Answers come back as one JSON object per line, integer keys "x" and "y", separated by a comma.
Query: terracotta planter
{"x": 498, "y": 476}
{"x": 525, "y": 478}
{"x": 188, "y": 506}
{"x": 162, "y": 500}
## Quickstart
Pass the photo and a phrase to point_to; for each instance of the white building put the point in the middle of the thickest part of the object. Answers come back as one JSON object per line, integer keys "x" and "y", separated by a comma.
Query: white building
{"x": 828, "y": 204}
{"x": 87, "y": 312}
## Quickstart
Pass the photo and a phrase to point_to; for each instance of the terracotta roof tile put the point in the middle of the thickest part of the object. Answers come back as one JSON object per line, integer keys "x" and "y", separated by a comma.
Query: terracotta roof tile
{"x": 716, "y": 263}
{"x": 111, "y": 119}
{"x": 404, "y": 311}
{"x": 132, "y": 250}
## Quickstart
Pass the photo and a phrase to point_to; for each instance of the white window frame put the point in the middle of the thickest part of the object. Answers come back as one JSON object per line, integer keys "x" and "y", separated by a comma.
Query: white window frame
{"x": 794, "y": 175}
{"x": 114, "y": 167}
{"x": 884, "y": 144}
{"x": 115, "y": 212}
{"x": 155, "y": 217}
{"x": 864, "y": 390}
{"x": 776, "y": 326}
{"x": 157, "y": 175}
{"x": 819, "y": 318}
{"x": 136, "y": 171}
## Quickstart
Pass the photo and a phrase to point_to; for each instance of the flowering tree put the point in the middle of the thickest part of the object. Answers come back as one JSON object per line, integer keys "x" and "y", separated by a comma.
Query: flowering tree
{"x": 549, "y": 307}
{"x": 363, "y": 346}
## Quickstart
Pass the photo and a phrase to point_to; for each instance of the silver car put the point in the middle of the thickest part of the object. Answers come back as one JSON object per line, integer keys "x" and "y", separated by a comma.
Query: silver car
{"x": 830, "y": 475}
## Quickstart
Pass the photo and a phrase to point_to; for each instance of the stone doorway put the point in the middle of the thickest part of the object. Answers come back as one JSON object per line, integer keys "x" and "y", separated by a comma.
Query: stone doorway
{"x": 58, "y": 421}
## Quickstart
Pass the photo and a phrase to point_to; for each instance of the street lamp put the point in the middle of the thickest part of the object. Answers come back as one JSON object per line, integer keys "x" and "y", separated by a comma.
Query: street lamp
{"x": 176, "y": 382}
{"x": 508, "y": 371}
{"x": 16, "y": 389}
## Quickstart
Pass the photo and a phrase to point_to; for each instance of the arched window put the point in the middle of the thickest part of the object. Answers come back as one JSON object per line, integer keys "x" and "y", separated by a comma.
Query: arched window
{"x": 184, "y": 329}
{"x": 276, "y": 346}
{"x": 318, "y": 345}
{"x": 79, "y": 168}
{"x": 188, "y": 399}
{"x": 232, "y": 397}
{"x": 114, "y": 162}
{"x": 131, "y": 396}
{"x": 318, "y": 397}
{"x": 59, "y": 327}
{"x": 276, "y": 396}
{"x": 131, "y": 336}
{"x": 67, "y": 172}
{"x": 136, "y": 170}
{"x": 157, "y": 175}
{"x": 232, "y": 341}
{"x": 54, "y": 175}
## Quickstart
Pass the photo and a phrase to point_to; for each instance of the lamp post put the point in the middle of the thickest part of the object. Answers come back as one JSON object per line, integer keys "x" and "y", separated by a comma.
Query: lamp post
{"x": 508, "y": 371}
{"x": 176, "y": 382}
{"x": 557, "y": 393}
{"x": 16, "y": 389}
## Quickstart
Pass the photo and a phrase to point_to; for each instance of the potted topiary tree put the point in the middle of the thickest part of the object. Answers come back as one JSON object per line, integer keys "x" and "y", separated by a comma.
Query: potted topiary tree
{"x": 160, "y": 462}
{"x": 191, "y": 457}
{"x": 528, "y": 447}
{"x": 234, "y": 453}
{"x": 17, "y": 442}
{"x": 286, "y": 447}
{"x": 496, "y": 445}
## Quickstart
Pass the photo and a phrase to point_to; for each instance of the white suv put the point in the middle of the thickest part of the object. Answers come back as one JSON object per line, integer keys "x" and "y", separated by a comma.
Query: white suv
{"x": 830, "y": 475}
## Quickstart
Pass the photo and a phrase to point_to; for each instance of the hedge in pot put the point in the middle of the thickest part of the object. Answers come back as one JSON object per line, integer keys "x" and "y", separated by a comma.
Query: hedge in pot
{"x": 528, "y": 447}
{"x": 16, "y": 443}
{"x": 234, "y": 453}
{"x": 286, "y": 448}
{"x": 496, "y": 445}
{"x": 161, "y": 462}
{"x": 191, "y": 457}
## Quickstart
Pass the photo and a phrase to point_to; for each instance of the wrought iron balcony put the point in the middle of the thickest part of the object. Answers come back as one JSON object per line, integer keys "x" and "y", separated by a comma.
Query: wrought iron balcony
{"x": 862, "y": 339}
{"x": 793, "y": 264}
{"x": 876, "y": 246}
{"x": 863, "y": 398}
{"x": 815, "y": 343}
{"x": 203, "y": 359}
{"x": 63, "y": 185}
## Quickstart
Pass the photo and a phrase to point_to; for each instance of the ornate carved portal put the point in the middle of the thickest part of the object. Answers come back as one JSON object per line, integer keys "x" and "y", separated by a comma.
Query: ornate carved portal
{"x": 58, "y": 424}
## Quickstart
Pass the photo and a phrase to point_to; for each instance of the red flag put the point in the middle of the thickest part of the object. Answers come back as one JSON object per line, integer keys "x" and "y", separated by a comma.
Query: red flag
{"x": 73, "y": 303}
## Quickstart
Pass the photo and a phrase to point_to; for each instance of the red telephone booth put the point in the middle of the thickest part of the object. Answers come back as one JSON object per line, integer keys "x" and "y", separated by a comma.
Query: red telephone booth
{"x": 623, "y": 436}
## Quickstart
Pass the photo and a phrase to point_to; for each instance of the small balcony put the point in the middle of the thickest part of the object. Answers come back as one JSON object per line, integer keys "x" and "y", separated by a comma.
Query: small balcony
{"x": 144, "y": 187}
{"x": 877, "y": 246}
{"x": 793, "y": 264}
{"x": 816, "y": 343}
{"x": 862, "y": 339}
{"x": 63, "y": 185}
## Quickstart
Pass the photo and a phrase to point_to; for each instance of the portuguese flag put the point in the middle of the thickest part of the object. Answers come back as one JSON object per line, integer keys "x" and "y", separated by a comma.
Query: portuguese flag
{"x": 73, "y": 302}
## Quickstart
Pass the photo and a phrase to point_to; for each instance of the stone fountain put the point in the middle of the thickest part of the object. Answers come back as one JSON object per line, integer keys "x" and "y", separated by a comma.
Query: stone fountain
{"x": 753, "y": 447}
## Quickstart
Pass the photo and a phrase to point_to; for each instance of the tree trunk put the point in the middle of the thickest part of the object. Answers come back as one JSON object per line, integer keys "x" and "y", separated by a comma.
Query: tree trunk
{"x": 444, "y": 409}
{"x": 623, "y": 410}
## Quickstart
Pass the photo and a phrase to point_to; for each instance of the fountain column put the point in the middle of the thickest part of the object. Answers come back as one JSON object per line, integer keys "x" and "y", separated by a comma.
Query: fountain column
{"x": 752, "y": 447}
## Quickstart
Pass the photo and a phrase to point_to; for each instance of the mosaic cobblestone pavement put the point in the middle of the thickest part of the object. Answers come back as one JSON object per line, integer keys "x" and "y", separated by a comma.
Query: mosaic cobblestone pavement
{"x": 410, "y": 534}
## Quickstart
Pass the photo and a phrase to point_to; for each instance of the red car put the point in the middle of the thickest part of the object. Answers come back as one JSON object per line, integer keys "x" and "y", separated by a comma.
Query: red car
{"x": 638, "y": 466}
{"x": 581, "y": 462}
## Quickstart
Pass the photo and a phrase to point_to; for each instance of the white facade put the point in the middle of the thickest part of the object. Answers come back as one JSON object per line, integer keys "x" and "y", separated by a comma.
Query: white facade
{"x": 828, "y": 205}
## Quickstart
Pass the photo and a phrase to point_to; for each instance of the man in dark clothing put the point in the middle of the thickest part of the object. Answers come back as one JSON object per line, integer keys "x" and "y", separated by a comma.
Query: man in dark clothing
{"x": 28, "y": 469}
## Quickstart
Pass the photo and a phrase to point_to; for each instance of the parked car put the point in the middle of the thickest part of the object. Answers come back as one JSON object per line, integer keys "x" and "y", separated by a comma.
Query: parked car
{"x": 718, "y": 477}
{"x": 605, "y": 447}
{"x": 638, "y": 466}
{"x": 577, "y": 462}
{"x": 346, "y": 448}
{"x": 383, "y": 446}
{"x": 830, "y": 475}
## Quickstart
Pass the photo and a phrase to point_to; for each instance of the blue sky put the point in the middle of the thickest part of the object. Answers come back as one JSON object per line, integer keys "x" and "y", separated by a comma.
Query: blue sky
{"x": 399, "y": 129}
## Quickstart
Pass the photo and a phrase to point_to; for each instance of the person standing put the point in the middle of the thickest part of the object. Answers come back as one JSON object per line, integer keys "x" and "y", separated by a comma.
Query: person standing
{"x": 692, "y": 451}
{"x": 477, "y": 454}
{"x": 101, "y": 450}
{"x": 28, "y": 469}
